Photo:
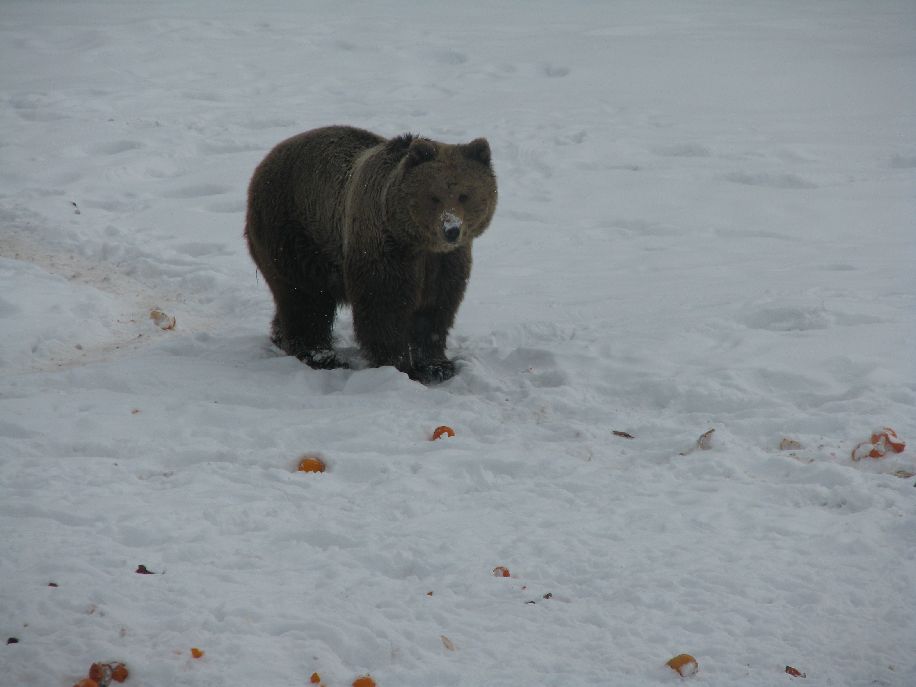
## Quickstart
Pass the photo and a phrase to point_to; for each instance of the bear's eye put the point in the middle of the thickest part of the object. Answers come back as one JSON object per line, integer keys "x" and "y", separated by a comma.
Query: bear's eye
{"x": 463, "y": 198}
{"x": 435, "y": 200}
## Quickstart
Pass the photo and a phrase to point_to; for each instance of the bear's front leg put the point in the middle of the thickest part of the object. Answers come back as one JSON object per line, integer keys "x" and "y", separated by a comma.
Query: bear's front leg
{"x": 446, "y": 279}
{"x": 383, "y": 296}
{"x": 427, "y": 349}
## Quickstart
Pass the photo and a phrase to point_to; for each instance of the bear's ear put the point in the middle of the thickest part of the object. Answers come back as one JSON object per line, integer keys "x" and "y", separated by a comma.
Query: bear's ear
{"x": 421, "y": 150}
{"x": 479, "y": 150}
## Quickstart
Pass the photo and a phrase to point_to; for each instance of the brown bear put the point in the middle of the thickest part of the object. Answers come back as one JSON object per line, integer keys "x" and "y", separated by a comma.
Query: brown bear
{"x": 339, "y": 215}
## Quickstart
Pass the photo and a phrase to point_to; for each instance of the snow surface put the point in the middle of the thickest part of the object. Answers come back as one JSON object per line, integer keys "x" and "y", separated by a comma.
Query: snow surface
{"x": 706, "y": 221}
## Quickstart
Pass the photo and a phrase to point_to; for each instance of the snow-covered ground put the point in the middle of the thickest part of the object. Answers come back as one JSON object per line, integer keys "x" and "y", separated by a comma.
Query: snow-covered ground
{"x": 707, "y": 221}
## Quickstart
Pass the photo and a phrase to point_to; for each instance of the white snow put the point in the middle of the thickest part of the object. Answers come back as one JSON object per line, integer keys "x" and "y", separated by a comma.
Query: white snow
{"x": 706, "y": 221}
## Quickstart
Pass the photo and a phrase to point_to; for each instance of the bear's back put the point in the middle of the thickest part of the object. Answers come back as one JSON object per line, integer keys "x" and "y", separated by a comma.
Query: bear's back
{"x": 301, "y": 183}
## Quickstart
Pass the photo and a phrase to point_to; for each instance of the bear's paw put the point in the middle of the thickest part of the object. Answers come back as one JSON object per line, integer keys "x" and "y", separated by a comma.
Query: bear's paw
{"x": 433, "y": 372}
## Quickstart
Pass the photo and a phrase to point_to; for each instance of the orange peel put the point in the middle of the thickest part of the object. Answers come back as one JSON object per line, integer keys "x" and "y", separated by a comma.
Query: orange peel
{"x": 684, "y": 665}
{"x": 443, "y": 431}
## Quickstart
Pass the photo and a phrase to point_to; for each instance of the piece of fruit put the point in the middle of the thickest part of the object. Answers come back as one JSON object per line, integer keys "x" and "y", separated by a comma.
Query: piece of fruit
{"x": 443, "y": 431}
{"x": 86, "y": 682}
{"x": 196, "y": 653}
{"x": 309, "y": 463}
{"x": 881, "y": 441}
{"x": 364, "y": 681}
{"x": 100, "y": 672}
{"x": 315, "y": 679}
{"x": 888, "y": 437}
{"x": 684, "y": 665}
{"x": 501, "y": 571}
{"x": 866, "y": 449}
{"x": 795, "y": 672}
{"x": 119, "y": 672}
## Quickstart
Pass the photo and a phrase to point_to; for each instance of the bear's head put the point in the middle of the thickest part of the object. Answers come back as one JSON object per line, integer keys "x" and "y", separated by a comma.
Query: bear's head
{"x": 449, "y": 192}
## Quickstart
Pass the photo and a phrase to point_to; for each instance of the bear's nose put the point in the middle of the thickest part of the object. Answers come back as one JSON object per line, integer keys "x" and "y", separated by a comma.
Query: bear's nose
{"x": 451, "y": 226}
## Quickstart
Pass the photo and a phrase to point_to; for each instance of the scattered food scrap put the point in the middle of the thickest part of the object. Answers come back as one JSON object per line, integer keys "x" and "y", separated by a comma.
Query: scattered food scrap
{"x": 103, "y": 674}
{"x": 704, "y": 443}
{"x": 161, "y": 319}
{"x": 501, "y": 571}
{"x": 684, "y": 665}
{"x": 795, "y": 672}
{"x": 789, "y": 444}
{"x": 443, "y": 431}
{"x": 881, "y": 442}
{"x": 625, "y": 435}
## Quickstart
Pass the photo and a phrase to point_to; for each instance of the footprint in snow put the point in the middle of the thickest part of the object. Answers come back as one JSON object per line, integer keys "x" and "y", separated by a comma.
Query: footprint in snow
{"x": 684, "y": 150}
{"x": 786, "y": 181}
{"x": 788, "y": 318}
{"x": 228, "y": 207}
{"x": 112, "y": 147}
{"x": 449, "y": 57}
{"x": 554, "y": 71}
{"x": 226, "y": 148}
{"x": 199, "y": 249}
{"x": 197, "y": 191}
{"x": 538, "y": 366}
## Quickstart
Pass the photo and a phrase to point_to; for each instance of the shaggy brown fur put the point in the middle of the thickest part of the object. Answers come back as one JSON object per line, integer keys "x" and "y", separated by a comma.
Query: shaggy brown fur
{"x": 342, "y": 216}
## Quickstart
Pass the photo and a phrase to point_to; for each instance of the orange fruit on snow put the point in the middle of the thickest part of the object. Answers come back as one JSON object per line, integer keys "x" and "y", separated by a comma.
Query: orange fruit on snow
{"x": 119, "y": 672}
{"x": 196, "y": 653}
{"x": 443, "y": 431}
{"x": 99, "y": 672}
{"x": 684, "y": 664}
{"x": 315, "y": 679}
{"x": 103, "y": 673}
{"x": 364, "y": 681}
{"x": 500, "y": 571}
{"x": 311, "y": 464}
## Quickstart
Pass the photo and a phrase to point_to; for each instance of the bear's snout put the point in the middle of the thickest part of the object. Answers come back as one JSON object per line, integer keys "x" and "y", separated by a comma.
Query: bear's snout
{"x": 451, "y": 226}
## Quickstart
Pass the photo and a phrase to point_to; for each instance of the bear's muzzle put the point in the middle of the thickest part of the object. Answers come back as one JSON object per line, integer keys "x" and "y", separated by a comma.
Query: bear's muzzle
{"x": 451, "y": 226}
